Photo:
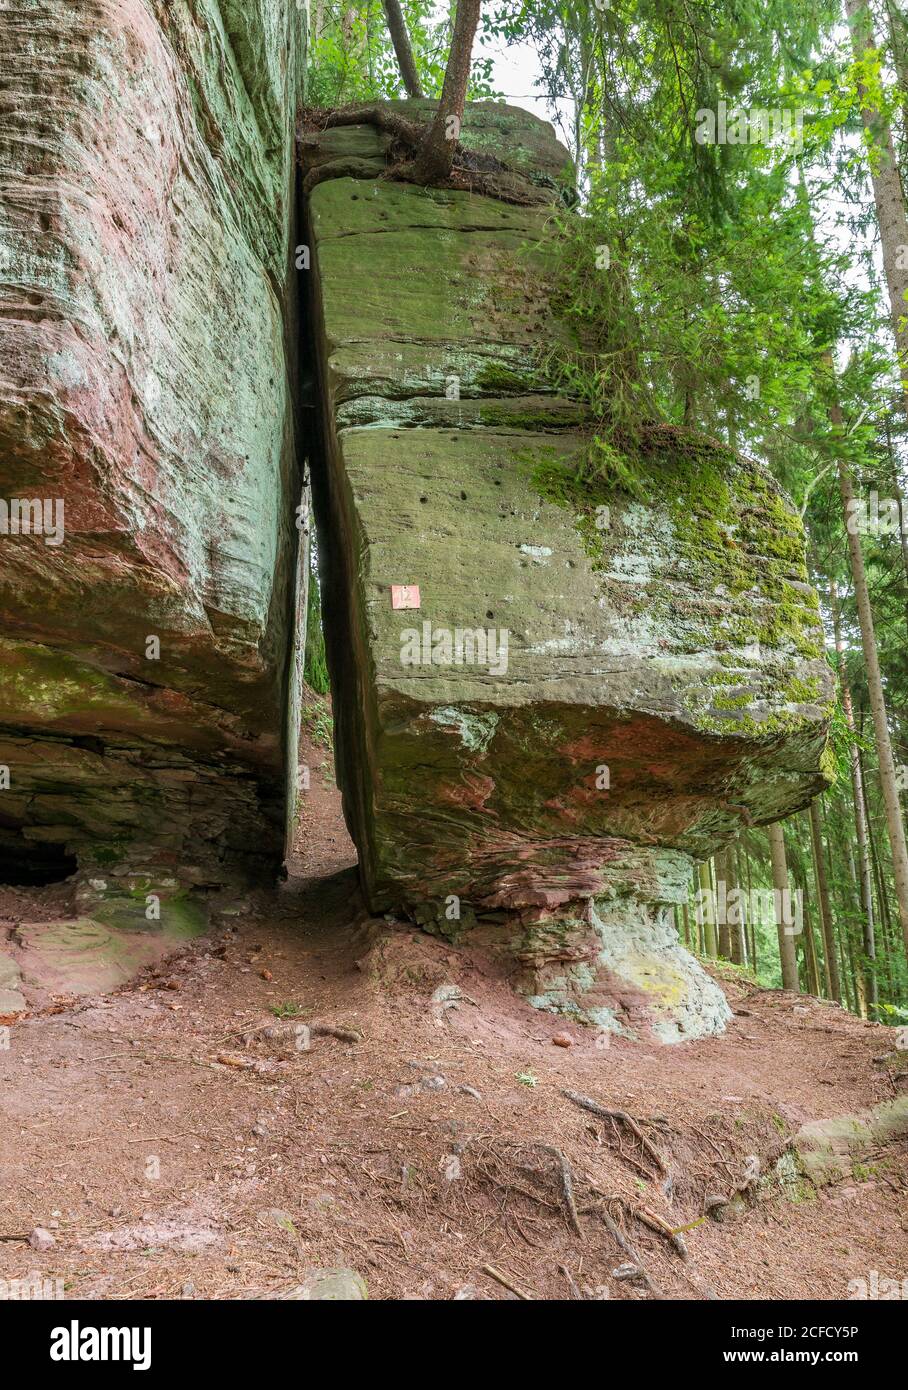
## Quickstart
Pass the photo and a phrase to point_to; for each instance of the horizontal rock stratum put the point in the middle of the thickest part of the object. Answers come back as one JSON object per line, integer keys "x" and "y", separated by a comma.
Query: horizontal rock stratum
{"x": 547, "y": 700}
{"x": 147, "y": 168}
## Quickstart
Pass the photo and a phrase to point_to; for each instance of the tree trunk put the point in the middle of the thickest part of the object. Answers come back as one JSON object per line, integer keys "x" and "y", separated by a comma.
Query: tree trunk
{"x": 846, "y": 975}
{"x": 810, "y": 955}
{"x": 887, "y": 931}
{"x": 723, "y": 888}
{"x": 787, "y": 954}
{"x": 706, "y": 916}
{"x": 317, "y": 21}
{"x": 696, "y": 924}
{"x": 898, "y": 30}
{"x": 753, "y": 915}
{"x": 435, "y": 155}
{"x": 869, "y": 921}
{"x": 743, "y": 943}
{"x": 833, "y": 983}
{"x": 397, "y": 28}
{"x": 857, "y": 789}
{"x": 903, "y": 508}
{"x": 888, "y": 194}
{"x": 878, "y": 710}
{"x": 734, "y": 911}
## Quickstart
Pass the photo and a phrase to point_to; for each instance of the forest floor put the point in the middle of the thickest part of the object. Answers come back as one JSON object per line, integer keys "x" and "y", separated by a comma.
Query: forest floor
{"x": 170, "y": 1150}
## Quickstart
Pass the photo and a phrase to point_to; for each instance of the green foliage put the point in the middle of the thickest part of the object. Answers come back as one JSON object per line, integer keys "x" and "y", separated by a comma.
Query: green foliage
{"x": 351, "y": 57}
{"x": 318, "y": 720}
{"x": 316, "y": 663}
{"x": 287, "y": 1010}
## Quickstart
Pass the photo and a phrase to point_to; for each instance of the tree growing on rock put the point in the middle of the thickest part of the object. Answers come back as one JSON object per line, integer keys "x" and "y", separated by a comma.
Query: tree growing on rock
{"x": 435, "y": 155}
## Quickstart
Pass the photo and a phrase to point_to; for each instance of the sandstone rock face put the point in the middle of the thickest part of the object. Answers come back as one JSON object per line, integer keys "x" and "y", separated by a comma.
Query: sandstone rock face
{"x": 146, "y": 233}
{"x": 592, "y": 689}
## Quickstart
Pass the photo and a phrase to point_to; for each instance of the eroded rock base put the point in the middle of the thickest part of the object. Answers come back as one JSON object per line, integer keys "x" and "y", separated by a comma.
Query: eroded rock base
{"x": 634, "y": 978}
{"x": 612, "y": 960}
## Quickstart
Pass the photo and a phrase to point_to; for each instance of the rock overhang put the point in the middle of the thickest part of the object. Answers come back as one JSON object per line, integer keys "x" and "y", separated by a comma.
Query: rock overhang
{"x": 652, "y": 673}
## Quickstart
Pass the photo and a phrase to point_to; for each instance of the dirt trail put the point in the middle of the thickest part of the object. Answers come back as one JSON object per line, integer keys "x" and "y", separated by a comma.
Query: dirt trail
{"x": 172, "y": 1151}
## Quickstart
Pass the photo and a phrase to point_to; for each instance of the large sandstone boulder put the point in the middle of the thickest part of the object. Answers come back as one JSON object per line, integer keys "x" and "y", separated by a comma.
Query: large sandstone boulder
{"x": 593, "y": 689}
{"x": 146, "y": 232}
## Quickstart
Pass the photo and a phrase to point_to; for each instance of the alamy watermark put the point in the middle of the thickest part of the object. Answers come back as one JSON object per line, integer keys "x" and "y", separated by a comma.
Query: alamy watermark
{"x": 754, "y": 125}
{"x": 876, "y": 516}
{"x": 877, "y": 1286}
{"x": 459, "y": 646}
{"x": 720, "y": 906}
{"x": 33, "y": 516}
{"x": 82, "y": 1343}
{"x": 33, "y": 1288}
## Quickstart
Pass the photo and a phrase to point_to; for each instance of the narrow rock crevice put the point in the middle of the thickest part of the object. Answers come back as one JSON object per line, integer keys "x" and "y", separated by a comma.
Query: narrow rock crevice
{"x": 336, "y": 567}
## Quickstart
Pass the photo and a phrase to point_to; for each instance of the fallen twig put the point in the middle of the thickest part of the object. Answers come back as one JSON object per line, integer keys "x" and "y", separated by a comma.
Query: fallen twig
{"x": 327, "y": 1030}
{"x": 662, "y": 1227}
{"x": 496, "y": 1274}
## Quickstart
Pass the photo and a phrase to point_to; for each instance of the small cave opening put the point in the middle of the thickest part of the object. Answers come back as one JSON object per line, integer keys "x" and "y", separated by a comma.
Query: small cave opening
{"x": 32, "y": 863}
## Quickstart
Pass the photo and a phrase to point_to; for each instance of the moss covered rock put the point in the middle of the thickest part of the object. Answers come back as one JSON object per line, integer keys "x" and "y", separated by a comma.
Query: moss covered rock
{"x": 594, "y": 687}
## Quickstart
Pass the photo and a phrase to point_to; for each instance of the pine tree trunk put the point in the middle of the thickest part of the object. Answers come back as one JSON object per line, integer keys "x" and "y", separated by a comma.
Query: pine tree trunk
{"x": 903, "y": 508}
{"x": 860, "y": 984}
{"x": 734, "y": 912}
{"x": 706, "y": 914}
{"x": 888, "y": 194}
{"x": 787, "y": 954}
{"x": 878, "y": 710}
{"x": 739, "y": 937}
{"x": 857, "y": 788}
{"x": 869, "y": 934}
{"x": 397, "y": 28}
{"x": 887, "y": 930}
{"x": 435, "y": 155}
{"x": 898, "y": 30}
{"x": 845, "y": 973}
{"x": 753, "y": 917}
{"x": 810, "y": 955}
{"x": 833, "y": 983}
{"x": 699, "y": 925}
{"x": 722, "y": 877}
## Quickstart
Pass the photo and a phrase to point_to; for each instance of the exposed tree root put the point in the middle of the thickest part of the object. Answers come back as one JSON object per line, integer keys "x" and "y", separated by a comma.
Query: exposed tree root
{"x": 410, "y": 133}
{"x": 472, "y": 170}
{"x": 567, "y": 1186}
{"x": 491, "y": 1157}
{"x": 350, "y": 168}
{"x": 620, "y": 1117}
{"x": 624, "y": 1244}
{"x": 661, "y": 1227}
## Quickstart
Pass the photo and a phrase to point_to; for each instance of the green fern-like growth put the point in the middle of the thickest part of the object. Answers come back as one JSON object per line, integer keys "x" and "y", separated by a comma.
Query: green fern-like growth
{"x": 316, "y": 664}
